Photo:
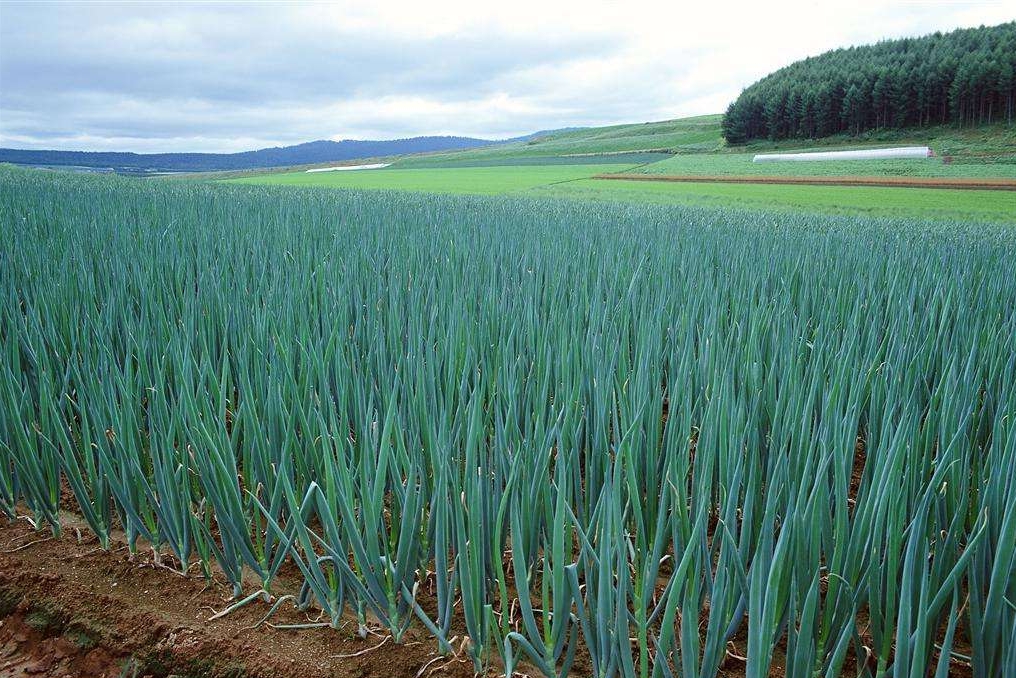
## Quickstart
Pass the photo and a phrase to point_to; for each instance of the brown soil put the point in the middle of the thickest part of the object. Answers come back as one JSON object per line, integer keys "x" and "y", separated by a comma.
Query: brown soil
{"x": 909, "y": 182}
{"x": 69, "y": 609}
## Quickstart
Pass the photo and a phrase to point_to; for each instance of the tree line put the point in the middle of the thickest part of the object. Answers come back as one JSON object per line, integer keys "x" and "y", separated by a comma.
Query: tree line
{"x": 964, "y": 77}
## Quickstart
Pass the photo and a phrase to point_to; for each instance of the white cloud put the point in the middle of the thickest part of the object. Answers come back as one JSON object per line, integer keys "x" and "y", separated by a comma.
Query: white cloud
{"x": 201, "y": 77}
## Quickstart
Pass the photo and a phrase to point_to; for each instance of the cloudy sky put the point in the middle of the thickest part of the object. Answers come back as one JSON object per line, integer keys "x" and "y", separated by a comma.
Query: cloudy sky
{"x": 188, "y": 76}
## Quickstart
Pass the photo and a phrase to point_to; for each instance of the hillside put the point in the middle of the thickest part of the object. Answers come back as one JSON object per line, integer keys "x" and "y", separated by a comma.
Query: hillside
{"x": 965, "y": 77}
{"x": 692, "y": 141}
{"x": 568, "y": 165}
{"x": 981, "y": 152}
{"x": 649, "y": 144}
{"x": 650, "y": 140}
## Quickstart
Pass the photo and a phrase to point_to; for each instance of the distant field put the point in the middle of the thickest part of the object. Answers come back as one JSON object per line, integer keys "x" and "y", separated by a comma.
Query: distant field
{"x": 478, "y": 180}
{"x": 740, "y": 164}
{"x": 574, "y": 182}
{"x": 561, "y": 164}
{"x": 698, "y": 135}
{"x": 632, "y": 158}
{"x": 686, "y": 146}
{"x": 996, "y": 206}
{"x": 984, "y": 145}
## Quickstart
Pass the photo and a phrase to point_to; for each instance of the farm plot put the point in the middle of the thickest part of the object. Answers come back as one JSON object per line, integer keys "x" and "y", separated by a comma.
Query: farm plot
{"x": 565, "y": 438}
{"x": 577, "y": 182}
{"x": 873, "y": 201}
{"x": 740, "y": 164}
{"x": 466, "y": 180}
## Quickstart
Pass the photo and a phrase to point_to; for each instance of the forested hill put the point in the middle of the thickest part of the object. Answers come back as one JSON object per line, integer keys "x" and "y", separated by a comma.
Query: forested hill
{"x": 965, "y": 77}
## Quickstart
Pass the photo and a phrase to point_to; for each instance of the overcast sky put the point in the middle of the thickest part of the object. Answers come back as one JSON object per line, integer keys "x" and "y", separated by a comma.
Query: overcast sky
{"x": 225, "y": 77}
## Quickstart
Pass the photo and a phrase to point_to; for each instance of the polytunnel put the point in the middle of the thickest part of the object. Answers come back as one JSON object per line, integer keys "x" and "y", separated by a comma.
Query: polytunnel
{"x": 902, "y": 152}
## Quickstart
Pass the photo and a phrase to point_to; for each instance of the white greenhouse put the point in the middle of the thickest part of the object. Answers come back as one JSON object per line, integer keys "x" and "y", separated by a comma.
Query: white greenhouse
{"x": 903, "y": 152}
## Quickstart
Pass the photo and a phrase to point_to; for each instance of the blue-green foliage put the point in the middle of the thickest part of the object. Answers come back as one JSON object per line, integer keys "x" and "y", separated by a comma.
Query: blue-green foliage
{"x": 619, "y": 436}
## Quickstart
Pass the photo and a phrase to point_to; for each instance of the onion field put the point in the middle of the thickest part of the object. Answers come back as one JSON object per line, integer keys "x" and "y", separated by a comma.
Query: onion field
{"x": 559, "y": 438}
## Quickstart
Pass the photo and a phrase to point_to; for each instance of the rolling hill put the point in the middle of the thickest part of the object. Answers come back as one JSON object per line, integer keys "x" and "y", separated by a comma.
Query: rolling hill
{"x": 684, "y": 135}
{"x": 669, "y": 141}
{"x": 313, "y": 152}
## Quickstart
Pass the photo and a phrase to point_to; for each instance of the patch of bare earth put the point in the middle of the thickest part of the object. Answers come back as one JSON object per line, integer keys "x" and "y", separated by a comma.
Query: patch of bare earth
{"x": 70, "y": 609}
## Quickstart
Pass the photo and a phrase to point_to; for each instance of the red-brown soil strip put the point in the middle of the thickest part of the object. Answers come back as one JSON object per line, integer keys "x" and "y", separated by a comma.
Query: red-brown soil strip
{"x": 897, "y": 182}
{"x": 70, "y": 609}
{"x": 67, "y": 608}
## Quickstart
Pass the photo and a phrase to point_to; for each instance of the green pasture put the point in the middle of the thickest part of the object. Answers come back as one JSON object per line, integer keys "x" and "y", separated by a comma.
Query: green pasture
{"x": 930, "y": 203}
{"x": 740, "y": 164}
{"x": 697, "y": 135}
{"x": 575, "y": 182}
{"x": 479, "y": 180}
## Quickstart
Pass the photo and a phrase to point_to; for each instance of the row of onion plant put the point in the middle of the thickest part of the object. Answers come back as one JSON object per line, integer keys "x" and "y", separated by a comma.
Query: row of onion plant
{"x": 606, "y": 440}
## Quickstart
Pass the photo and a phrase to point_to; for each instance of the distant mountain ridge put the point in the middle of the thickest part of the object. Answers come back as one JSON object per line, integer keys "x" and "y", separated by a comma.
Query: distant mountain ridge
{"x": 309, "y": 153}
{"x": 312, "y": 152}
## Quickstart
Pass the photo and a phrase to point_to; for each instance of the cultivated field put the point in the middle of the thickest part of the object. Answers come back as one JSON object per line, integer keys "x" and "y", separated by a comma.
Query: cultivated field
{"x": 740, "y": 164}
{"x": 562, "y": 166}
{"x": 987, "y": 144}
{"x": 698, "y": 134}
{"x": 576, "y": 182}
{"x": 474, "y": 180}
{"x": 362, "y": 433}
{"x": 862, "y": 201}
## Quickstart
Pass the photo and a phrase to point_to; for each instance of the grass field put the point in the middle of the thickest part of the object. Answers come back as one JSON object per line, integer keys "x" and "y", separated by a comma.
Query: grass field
{"x": 572, "y": 181}
{"x": 559, "y": 164}
{"x": 998, "y": 206}
{"x": 625, "y": 158}
{"x": 740, "y": 164}
{"x": 970, "y": 142}
{"x": 697, "y": 134}
{"x": 984, "y": 145}
{"x": 471, "y": 180}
